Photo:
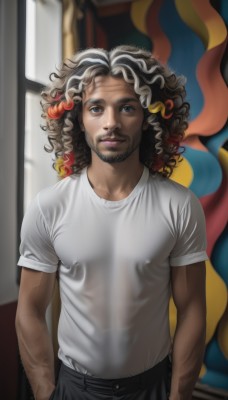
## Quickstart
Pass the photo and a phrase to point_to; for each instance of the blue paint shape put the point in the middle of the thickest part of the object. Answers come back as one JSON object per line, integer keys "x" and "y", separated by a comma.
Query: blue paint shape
{"x": 215, "y": 379}
{"x": 214, "y": 357}
{"x": 187, "y": 50}
{"x": 137, "y": 38}
{"x": 207, "y": 172}
{"x": 219, "y": 255}
{"x": 215, "y": 142}
{"x": 224, "y": 10}
{"x": 217, "y": 366}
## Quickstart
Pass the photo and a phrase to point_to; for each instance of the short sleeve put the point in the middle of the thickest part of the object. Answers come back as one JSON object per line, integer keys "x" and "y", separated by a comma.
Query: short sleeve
{"x": 190, "y": 246}
{"x": 36, "y": 249}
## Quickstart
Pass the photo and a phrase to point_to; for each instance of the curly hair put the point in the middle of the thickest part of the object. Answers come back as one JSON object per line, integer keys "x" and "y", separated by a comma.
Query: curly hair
{"x": 160, "y": 147}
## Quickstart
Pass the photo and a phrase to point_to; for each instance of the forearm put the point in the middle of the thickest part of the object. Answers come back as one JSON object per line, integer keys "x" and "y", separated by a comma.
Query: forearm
{"x": 187, "y": 357}
{"x": 37, "y": 355}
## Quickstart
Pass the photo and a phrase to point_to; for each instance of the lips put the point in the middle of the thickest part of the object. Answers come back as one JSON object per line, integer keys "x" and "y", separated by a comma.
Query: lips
{"x": 112, "y": 143}
{"x": 112, "y": 140}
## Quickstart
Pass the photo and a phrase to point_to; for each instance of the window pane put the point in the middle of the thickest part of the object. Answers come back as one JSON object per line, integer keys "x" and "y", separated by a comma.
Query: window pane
{"x": 38, "y": 163}
{"x": 43, "y": 38}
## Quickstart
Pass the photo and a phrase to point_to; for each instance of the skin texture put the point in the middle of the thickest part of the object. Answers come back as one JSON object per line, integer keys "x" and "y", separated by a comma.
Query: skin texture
{"x": 112, "y": 119}
{"x": 113, "y": 127}
{"x": 36, "y": 289}
{"x": 188, "y": 290}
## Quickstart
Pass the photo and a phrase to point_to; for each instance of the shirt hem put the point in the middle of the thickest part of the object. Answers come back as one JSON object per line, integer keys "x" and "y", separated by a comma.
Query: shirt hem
{"x": 188, "y": 259}
{"x": 28, "y": 263}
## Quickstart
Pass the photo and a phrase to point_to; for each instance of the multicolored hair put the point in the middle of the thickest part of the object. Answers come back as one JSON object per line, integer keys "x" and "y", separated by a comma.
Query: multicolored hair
{"x": 160, "y": 91}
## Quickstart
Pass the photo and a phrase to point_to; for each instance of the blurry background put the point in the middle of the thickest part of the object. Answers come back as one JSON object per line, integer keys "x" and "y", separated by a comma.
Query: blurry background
{"x": 189, "y": 35}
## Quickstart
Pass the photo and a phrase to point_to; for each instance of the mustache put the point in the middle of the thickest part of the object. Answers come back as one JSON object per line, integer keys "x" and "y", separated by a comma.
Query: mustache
{"x": 112, "y": 135}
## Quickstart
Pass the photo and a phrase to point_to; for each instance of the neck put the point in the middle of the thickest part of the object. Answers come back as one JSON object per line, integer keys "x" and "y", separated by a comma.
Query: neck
{"x": 114, "y": 181}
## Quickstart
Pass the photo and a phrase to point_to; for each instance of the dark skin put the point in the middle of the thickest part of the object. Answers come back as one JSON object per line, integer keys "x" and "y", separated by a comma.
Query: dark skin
{"x": 113, "y": 121}
{"x": 36, "y": 290}
{"x": 188, "y": 290}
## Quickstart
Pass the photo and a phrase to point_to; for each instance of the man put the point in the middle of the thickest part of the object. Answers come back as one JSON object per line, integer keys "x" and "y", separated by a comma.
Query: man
{"x": 120, "y": 234}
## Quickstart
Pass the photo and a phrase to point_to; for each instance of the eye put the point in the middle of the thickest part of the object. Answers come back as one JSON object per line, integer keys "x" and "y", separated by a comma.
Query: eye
{"x": 127, "y": 108}
{"x": 95, "y": 109}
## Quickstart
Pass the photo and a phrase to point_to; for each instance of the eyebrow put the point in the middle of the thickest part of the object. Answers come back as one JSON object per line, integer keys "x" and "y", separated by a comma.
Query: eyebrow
{"x": 119, "y": 101}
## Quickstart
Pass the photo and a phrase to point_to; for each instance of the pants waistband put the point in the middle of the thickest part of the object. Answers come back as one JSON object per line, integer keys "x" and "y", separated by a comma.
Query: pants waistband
{"x": 159, "y": 372}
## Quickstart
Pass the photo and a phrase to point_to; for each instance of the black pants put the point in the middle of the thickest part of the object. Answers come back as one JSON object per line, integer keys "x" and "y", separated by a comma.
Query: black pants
{"x": 153, "y": 384}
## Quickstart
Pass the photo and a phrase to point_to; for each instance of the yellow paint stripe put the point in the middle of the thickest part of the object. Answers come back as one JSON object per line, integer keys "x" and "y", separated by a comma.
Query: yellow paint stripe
{"x": 191, "y": 18}
{"x": 211, "y": 27}
{"x": 203, "y": 371}
{"x": 183, "y": 174}
{"x": 139, "y": 10}
{"x": 223, "y": 158}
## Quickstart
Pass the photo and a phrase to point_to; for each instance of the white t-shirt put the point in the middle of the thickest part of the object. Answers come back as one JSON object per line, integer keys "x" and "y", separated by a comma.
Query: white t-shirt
{"x": 114, "y": 261}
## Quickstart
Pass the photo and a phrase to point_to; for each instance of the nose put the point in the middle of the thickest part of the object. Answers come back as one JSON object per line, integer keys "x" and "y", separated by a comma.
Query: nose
{"x": 111, "y": 120}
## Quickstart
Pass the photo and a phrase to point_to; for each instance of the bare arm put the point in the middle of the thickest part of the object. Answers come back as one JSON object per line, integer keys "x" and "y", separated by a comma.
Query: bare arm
{"x": 36, "y": 289}
{"x": 188, "y": 289}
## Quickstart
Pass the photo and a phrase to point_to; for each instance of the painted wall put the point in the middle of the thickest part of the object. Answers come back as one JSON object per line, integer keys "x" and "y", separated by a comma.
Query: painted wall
{"x": 191, "y": 36}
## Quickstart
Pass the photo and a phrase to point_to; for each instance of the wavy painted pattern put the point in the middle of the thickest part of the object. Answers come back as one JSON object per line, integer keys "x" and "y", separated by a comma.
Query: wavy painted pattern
{"x": 191, "y": 37}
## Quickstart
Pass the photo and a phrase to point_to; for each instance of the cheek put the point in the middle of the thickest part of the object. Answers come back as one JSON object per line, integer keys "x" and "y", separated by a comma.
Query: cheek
{"x": 137, "y": 123}
{"x": 136, "y": 127}
{"x": 91, "y": 124}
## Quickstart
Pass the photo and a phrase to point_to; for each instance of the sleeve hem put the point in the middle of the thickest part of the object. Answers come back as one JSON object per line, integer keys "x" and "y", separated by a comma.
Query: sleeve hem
{"x": 188, "y": 259}
{"x": 38, "y": 266}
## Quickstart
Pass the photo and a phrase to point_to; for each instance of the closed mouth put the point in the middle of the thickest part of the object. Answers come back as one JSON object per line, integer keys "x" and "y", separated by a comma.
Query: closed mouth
{"x": 112, "y": 140}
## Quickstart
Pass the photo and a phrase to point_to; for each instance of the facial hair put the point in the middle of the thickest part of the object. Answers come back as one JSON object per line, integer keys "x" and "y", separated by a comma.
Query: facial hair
{"x": 112, "y": 158}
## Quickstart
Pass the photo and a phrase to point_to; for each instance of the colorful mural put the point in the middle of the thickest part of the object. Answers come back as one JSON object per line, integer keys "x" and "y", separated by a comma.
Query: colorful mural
{"x": 191, "y": 36}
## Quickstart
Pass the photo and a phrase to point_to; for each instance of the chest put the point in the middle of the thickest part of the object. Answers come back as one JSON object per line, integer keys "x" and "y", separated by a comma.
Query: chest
{"x": 96, "y": 235}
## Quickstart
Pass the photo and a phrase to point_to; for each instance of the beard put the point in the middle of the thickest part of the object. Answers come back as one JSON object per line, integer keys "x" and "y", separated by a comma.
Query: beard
{"x": 116, "y": 157}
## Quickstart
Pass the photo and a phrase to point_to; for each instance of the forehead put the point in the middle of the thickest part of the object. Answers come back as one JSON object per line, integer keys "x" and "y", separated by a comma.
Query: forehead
{"x": 108, "y": 87}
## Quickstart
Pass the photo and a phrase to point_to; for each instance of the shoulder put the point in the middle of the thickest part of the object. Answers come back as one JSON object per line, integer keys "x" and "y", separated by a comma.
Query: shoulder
{"x": 54, "y": 201}
{"x": 60, "y": 192}
{"x": 165, "y": 184}
{"x": 171, "y": 192}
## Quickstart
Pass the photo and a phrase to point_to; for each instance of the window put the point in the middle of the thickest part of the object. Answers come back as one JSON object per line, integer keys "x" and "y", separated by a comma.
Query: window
{"x": 43, "y": 52}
